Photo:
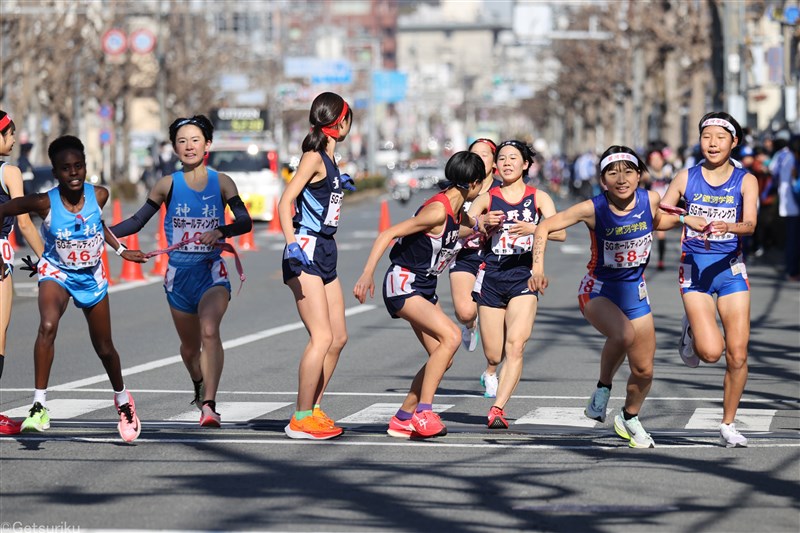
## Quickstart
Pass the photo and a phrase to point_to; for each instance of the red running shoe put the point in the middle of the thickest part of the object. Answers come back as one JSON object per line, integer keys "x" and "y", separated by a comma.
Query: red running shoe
{"x": 209, "y": 418}
{"x": 497, "y": 418}
{"x": 9, "y": 426}
{"x": 428, "y": 424}
{"x": 402, "y": 429}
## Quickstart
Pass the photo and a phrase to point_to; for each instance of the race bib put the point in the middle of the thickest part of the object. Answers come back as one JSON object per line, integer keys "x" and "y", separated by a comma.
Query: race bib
{"x": 505, "y": 244}
{"x": 6, "y": 251}
{"x": 737, "y": 267}
{"x": 399, "y": 281}
{"x": 725, "y": 214}
{"x": 685, "y": 275}
{"x": 308, "y": 243}
{"x": 443, "y": 260}
{"x": 190, "y": 228}
{"x": 80, "y": 254}
{"x": 627, "y": 254}
{"x": 590, "y": 285}
{"x": 334, "y": 208}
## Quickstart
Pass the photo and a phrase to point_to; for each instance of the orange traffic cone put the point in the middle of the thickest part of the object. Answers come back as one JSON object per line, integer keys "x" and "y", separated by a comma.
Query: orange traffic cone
{"x": 160, "y": 265}
{"x": 116, "y": 216}
{"x": 275, "y": 223}
{"x": 104, "y": 259}
{"x": 384, "y": 222}
{"x": 247, "y": 241}
{"x": 131, "y": 271}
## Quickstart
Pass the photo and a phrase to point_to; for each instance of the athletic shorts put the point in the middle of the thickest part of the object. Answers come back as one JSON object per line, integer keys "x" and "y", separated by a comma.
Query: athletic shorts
{"x": 322, "y": 252}
{"x": 713, "y": 273}
{"x": 400, "y": 284}
{"x": 87, "y": 286}
{"x": 8, "y": 269}
{"x": 186, "y": 285}
{"x": 630, "y": 296}
{"x": 495, "y": 288}
{"x": 468, "y": 260}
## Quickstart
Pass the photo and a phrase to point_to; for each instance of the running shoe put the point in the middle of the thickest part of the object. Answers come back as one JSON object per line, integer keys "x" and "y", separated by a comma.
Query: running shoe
{"x": 470, "y": 336}
{"x": 311, "y": 428}
{"x": 428, "y": 424}
{"x": 686, "y": 348}
{"x": 632, "y": 431}
{"x": 209, "y": 418}
{"x": 402, "y": 429}
{"x": 9, "y": 426}
{"x": 38, "y": 419}
{"x": 731, "y": 437}
{"x": 199, "y": 394}
{"x": 596, "y": 409}
{"x": 497, "y": 418}
{"x": 129, "y": 426}
{"x": 490, "y": 382}
{"x": 321, "y": 415}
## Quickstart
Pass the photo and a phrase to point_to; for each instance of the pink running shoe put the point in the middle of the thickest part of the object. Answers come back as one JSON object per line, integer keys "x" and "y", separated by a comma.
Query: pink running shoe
{"x": 9, "y": 426}
{"x": 497, "y": 418}
{"x": 129, "y": 426}
{"x": 428, "y": 424}
{"x": 402, "y": 429}
{"x": 208, "y": 417}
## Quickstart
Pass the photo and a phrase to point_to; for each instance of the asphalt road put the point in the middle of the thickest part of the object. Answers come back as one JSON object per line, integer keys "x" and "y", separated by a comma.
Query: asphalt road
{"x": 553, "y": 470}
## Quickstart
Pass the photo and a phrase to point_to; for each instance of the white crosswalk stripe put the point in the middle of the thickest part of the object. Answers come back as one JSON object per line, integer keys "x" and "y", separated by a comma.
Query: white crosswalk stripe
{"x": 234, "y": 411}
{"x": 380, "y": 413}
{"x": 746, "y": 419}
{"x": 557, "y": 416}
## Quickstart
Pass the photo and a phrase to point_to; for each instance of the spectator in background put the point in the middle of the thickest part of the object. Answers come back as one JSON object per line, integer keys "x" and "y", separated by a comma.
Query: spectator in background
{"x": 584, "y": 175}
{"x": 24, "y": 162}
{"x": 764, "y": 236}
{"x": 784, "y": 172}
{"x": 167, "y": 160}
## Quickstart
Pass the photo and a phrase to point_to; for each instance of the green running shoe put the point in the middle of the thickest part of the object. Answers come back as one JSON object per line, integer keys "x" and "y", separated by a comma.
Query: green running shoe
{"x": 38, "y": 419}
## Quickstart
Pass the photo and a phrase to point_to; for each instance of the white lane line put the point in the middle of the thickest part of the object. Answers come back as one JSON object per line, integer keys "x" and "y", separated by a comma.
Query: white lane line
{"x": 380, "y": 413}
{"x": 65, "y": 408}
{"x": 558, "y": 416}
{"x": 746, "y": 419}
{"x": 234, "y": 411}
{"x": 233, "y": 343}
{"x": 428, "y": 444}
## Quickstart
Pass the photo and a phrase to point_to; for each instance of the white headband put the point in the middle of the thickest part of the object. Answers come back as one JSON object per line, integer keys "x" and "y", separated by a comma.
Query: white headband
{"x": 719, "y": 122}
{"x": 621, "y": 156}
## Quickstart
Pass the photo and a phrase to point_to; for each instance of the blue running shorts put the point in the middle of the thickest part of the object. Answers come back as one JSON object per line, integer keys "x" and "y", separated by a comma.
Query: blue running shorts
{"x": 186, "y": 285}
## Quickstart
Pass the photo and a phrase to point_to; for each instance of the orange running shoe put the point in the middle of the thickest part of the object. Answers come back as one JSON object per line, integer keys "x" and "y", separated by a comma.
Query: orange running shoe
{"x": 320, "y": 414}
{"x": 209, "y": 418}
{"x": 311, "y": 428}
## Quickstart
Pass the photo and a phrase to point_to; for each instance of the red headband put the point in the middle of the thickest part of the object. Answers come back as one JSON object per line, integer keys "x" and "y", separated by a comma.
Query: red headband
{"x": 488, "y": 142}
{"x": 331, "y": 129}
{"x": 5, "y": 121}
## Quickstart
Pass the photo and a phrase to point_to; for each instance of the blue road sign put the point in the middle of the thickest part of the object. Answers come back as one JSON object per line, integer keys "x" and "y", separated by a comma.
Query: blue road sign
{"x": 390, "y": 86}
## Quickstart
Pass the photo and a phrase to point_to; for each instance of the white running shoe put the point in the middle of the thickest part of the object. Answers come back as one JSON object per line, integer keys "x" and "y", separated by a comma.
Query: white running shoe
{"x": 731, "y": 437}
{"x": 686, "y": 348}
{"x": 470, "y": 336}
{"x": 632, "y": 431}
{"x": 489, "y": 381}
{"x": 598, "y": 402}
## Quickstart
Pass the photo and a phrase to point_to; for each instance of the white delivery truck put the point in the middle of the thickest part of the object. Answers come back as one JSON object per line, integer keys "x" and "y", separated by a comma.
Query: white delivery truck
{"x": 243, "y": 150}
